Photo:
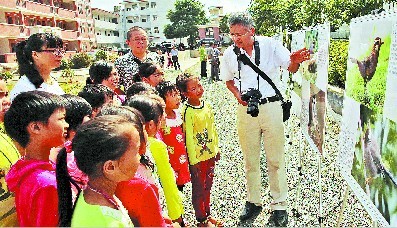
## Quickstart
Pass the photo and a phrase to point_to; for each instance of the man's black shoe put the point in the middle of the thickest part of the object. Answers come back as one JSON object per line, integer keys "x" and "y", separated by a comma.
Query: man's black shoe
{"x": 278, "y": 218}
{"x": 250, "y": 210}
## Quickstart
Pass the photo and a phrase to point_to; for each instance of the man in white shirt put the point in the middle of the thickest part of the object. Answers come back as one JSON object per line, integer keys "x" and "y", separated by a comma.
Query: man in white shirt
{"x": 174, "y": 56}
{"x": 269, "y": 122}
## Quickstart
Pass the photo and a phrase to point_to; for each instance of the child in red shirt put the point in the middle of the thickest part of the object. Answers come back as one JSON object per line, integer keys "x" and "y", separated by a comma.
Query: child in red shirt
{"x": 171, "y": 133}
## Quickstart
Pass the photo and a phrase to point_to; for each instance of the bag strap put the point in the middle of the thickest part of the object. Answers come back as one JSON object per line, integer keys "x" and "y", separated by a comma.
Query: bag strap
{"x": 244, "y": 59}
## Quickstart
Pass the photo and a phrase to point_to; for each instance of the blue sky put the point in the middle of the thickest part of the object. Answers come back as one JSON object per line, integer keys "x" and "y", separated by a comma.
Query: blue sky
{"x": 228, "y": 5}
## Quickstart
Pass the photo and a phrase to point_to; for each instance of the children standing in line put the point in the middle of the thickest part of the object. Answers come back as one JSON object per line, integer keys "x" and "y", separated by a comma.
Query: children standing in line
{"x": 202, "y": 146}
{"x": 171, "y": 133}
{"x": 152, "y": 110}
{"x": 36, "y": 120}
{"x": 106, "y": 149}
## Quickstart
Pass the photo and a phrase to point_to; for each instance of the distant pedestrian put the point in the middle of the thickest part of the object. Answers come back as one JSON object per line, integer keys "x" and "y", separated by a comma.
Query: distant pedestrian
{"x": 203, "y": 60}
{"x": 174, "y": 55}
{"x": 213, "y": 55}
{"x": 169, "y": 59}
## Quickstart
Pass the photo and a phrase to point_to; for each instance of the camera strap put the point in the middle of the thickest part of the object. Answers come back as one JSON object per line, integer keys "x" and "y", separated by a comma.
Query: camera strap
{"x": 246, "y": 61}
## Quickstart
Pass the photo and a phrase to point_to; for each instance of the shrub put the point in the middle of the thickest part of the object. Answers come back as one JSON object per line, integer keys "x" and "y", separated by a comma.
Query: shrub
{"x": 6, "y": 75}
{"x": 81, "y": 60}
{"x": 338, "y": 52}
{"x": 101, "y": 55}
{"x": 113, "y": 57}
{"x": 68, "y": 73}
{"x": 65, "y": 64}
{"x": 72, "y": 88}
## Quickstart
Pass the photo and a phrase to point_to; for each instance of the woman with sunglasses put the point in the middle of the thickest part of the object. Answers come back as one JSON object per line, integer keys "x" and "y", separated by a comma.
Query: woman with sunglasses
{"x": 37, "y": 57}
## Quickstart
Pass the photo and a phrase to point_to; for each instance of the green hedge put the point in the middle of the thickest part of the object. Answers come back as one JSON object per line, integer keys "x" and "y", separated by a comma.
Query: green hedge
{"x": 81, "y": 60}
{"x": 338, "y": 62}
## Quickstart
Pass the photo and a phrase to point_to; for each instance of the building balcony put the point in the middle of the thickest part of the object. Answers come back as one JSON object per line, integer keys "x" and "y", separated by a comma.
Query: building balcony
{"x": 133, "y": 13}
{"x": 45, "y": 29}
{"x": 37, "y": 7}
{"x": 106, "y": 25}
{"x": 69, "y": 35}
{"x": 108, "y": 39}
{"x": 145, "y": 25}
{"x": 86, "y": 36}
{"x": 13, "y": 31}
{"x": 8, "y": 4}
{"x": 65, "y": 13}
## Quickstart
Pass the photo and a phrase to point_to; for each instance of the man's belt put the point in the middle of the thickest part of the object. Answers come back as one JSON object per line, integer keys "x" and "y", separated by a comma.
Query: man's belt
{"x": 269, "y": 99}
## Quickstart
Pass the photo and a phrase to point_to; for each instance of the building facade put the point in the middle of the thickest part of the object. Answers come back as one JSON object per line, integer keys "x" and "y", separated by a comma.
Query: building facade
{"x": 106, "y": 29}
{"x": 70, "y": 19}
{"x": 211, "y": 29}
{"x": 148, "y": 14}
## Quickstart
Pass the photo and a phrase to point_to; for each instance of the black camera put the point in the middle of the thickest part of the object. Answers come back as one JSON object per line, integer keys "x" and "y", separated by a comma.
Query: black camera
{"x": 252, "y": 97}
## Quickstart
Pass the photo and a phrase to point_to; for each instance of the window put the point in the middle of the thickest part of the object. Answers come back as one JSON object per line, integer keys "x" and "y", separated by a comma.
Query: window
{"x": 153, "y": 5}
{"x": 9, "y": 20}
{"x": 128, "y": 9}
{"x": 31, "y": 22}
{"x": 18, "y": 20}
{"x": 143, "y": 20}
{"x": 130, "y": 21}
{"x": 143, "y": 8}
{"x": 156, "y": 30}
{"x": 13, "y": 45}
{"x": 155, "y": 17}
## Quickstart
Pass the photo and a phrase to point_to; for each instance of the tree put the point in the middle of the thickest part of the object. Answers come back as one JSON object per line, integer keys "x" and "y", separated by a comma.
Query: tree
{"x": 294, "y": 15}
{"x": 184, "y": 19}
{"x": 223, "y": 25}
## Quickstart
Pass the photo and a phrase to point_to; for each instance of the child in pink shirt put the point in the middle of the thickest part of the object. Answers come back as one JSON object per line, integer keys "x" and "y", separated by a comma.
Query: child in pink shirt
{"x": 36, "y": 120}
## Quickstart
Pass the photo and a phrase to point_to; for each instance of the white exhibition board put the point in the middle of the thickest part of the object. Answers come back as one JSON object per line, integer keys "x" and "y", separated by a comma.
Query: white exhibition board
{"x": 368, "y": 138}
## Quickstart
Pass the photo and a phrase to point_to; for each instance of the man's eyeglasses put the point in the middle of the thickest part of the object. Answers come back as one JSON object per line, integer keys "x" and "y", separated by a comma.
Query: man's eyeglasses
{"x": 57, "y": 52}
{"x": 236, "y": 35}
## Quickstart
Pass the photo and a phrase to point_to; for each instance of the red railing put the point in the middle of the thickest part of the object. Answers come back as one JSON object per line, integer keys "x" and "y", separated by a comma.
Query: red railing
{"x": 69, "y": 35}
{"x": 34, "y": 6}
{"x": 8, "y": 3}
{"x": 65, "y": 13}
{"x": 7, "y": 30}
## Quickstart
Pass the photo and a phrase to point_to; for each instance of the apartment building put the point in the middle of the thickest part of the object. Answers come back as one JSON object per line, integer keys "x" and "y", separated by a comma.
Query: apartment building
{"x": 211, "y": 29}
{"x": 148, "y": 14}
{"x": 70, "y": 19}
{"x": 106, "y": 29}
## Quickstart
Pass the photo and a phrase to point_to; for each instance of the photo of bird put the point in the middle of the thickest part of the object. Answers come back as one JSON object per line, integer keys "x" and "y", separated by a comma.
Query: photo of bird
{"x": 372, "y": 159}
{"x": 367, "y": 66}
